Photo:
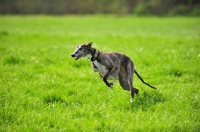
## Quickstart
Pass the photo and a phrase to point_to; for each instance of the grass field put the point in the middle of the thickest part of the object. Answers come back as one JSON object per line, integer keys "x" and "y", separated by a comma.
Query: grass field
{"x": 44, "y": 89}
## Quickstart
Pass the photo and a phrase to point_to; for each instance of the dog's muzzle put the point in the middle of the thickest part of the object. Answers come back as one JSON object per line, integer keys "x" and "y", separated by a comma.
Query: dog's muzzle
{"x": 76, "y": 57}
{"x": 73, "y": 55}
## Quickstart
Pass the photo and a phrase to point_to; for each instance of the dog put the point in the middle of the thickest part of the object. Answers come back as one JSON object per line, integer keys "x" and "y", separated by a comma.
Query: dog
{"x": 110, "y": 66}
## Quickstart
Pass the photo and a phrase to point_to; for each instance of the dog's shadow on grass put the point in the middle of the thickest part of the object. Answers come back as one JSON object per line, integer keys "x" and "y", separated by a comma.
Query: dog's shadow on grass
{"x": 145, "y": 101}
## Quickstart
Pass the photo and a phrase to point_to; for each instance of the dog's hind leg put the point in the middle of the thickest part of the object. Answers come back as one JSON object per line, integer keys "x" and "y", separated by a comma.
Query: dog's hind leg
{"x": 132, "y": 91}
{"x": 125, "y": 80}
{"x": 129, "y": 72}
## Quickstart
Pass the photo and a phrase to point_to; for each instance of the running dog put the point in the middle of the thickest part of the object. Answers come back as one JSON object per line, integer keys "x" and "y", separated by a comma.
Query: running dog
{"x": 110, "y": 66}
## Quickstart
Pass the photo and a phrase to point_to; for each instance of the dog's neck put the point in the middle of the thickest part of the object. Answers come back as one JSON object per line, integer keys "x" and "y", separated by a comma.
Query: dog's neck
{"x": 94, "y": 54}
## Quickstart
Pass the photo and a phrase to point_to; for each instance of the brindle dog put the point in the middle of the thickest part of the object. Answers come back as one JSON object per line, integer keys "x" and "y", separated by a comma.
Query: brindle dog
{"x": 110, "y": 66}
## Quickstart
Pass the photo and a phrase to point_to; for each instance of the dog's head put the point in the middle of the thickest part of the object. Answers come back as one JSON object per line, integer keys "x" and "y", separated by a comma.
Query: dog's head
{"x": 82, "y": 51}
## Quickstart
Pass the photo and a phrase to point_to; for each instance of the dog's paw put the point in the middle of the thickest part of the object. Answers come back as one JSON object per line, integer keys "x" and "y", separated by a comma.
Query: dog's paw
{"x": 111, "y": 85}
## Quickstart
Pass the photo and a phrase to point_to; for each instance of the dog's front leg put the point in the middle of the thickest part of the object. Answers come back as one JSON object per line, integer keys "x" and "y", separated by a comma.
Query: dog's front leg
{"x": 108, "y": 74}
{"x": 94, "y": 67}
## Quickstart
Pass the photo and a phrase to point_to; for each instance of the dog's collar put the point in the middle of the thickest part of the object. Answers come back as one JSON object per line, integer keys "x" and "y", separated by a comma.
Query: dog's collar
{"x": 95, "y": 55}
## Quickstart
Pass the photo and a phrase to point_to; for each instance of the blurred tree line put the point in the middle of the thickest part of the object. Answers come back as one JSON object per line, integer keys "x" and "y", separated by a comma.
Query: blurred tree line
{"x": 138, "y": 7}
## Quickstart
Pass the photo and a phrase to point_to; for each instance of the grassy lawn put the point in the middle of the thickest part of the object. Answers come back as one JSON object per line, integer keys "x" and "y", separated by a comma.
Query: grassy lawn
{"x": 44, "y": 89}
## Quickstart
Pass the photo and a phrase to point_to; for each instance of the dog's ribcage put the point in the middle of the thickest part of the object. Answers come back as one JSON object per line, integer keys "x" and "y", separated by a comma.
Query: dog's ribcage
{"x": 103, "y": 70}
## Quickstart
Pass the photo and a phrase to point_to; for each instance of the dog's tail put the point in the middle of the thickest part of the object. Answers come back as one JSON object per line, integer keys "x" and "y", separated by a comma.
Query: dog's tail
{"x": 144, "y": 81}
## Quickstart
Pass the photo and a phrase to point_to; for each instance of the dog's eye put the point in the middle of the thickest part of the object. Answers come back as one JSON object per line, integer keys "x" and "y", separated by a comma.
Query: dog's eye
{"x": 80, "y": 48}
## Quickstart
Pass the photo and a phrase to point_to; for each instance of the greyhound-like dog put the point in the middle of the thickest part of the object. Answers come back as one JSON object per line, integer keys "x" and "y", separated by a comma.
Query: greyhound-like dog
{"x": 110, "y": 66}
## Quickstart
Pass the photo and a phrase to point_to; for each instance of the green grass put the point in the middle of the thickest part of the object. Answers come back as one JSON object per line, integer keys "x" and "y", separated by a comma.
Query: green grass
{"x": 44, "y": 89}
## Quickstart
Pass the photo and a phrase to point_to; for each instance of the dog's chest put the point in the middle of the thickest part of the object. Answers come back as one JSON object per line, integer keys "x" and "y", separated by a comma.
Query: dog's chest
{"x": 101, "y": 68}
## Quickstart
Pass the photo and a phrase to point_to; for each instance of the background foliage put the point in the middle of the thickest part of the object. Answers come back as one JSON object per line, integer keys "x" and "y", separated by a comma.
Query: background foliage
{"x": 138, "y": 7}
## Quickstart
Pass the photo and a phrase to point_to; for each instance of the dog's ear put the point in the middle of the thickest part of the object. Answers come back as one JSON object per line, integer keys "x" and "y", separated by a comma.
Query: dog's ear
{"x": 89, "y": 45}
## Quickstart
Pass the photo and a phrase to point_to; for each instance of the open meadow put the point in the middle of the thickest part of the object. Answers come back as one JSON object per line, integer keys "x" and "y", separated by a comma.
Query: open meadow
{"x": 42, "y": 88}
